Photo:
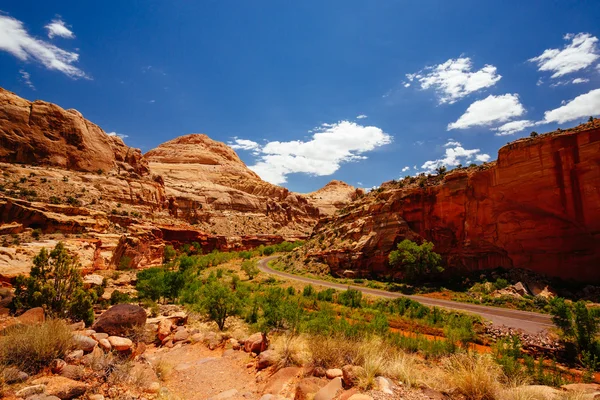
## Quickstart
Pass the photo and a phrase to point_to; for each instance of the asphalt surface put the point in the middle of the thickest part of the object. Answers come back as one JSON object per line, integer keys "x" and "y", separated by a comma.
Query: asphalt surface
{"x": 529, "y": 322}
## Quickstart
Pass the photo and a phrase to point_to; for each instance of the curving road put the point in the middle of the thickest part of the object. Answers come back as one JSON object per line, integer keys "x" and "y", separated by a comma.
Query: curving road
{"x": 529, "y": 322}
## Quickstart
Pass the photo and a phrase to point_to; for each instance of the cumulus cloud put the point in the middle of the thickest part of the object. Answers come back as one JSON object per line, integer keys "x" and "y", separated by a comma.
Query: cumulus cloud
{"x": 26, "y": 78}
{"x": 579, "y": 54}
{"x": 244, "y": 144}
{"x": 455, "y": 154}
{"x": 329, "y": 147}
{"x": 58, "y": 28}
{"x": 405, "y": 169}
{"x": 582, "y": 106}
{"x": 119, "y": 135}
{"x": 510, "y": 128}
{"x": 492, "y": 109}
{"x": 454, "y": 79}
{"x": 361, "y": 116}
{"x": 15, "y": 40}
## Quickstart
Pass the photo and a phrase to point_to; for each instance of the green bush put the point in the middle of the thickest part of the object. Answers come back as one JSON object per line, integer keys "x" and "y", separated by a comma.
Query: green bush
{"x": 159, "y": 283}
{"x": 118, "y": 297}
{"x": 219, "y": 302}
{"x": 55, "y": 284}
{"x": 169, "y": 254}
{"x": 250, "y": 268}
{"x": 415, "y": 261}
{"x": 350, "y": 298}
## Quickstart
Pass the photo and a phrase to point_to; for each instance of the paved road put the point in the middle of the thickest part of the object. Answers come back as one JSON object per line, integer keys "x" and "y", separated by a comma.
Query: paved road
{"x": 529, "y": 322}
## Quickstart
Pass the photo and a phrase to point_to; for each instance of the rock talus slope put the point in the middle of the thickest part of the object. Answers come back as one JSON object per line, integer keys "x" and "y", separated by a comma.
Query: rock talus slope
{"x": 537, "y": 207}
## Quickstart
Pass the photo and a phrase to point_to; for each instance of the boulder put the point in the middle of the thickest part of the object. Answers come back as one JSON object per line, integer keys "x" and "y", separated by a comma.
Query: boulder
{"x": 12, "y": 375}
{"x": 333, "y": 373}
{"x": 350, "y": 374}
{"x": 181, "y": 335}
{"x": 120, "y": 343}
{"x": 105, "y": 345}
{"x": 120, "y": 319}
{"x": 266, "y": 359}
{"x": 84, "y": 343}
{"x": 384, "y": 385}
{"x": 74, "y": 356}
{"x": 61, "y": 387}
{"x": 308, "y": 387}
{"x": 256, "y": 343}
{"x": 32, "y": 316}
{"x": 29, "y": 391}
{"x": 93, "y": 280}
{"x": 164, "y": 329}
{"x": 329, "y": 391}
{"x": 98, "y": 336}
{"x": 74, "y": 372}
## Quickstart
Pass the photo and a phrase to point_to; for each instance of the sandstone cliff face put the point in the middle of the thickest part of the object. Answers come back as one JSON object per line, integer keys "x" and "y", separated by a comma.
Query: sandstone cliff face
{"x": 213, "y": 187}
{"x": 537, "y": 207}
{"x": 45, "y": 134}
{"x": 334, "y": 196}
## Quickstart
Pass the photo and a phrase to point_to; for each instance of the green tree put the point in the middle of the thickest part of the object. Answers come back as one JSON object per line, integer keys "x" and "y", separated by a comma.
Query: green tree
{"x": 415, "y": 261}
{"x": 169, "y": 254}
{"x": 55, "y": 284}
{"x": 219, "y": 302}
{"x": 250, "y": 268}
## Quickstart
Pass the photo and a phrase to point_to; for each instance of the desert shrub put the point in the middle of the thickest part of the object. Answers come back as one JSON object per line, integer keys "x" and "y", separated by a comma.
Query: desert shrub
{"x": 326, "y": 295}
{"x": 579, "y": 325}
{"x": 124, "y": 263}
{"x": 54, "y": 200}
{"x": 279, "y": 311}
{"x": 118, "y": 297}
{"x": 250, "y": 268}
{"x": 415, "y": 261}
{"x": 308, "y": 291}
{"x": 350, "y": 298}
{"x": 55, "y": 284}
{"x": 32, "y": 347}
{"x": 268, "y": 250}
{"x": 159, "y": 283}
{"x": 169, "y": 254}
{"x": 36, "y": 233}
{"x": 219, "y": 302}
{"x": 474, "y": 376}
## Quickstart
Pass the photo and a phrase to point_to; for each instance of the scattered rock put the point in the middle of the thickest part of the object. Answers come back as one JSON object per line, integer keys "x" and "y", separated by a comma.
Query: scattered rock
{"x": 74, "y": 356}
{"x": 32, "y": 316}
{"x": 225, "y": 395}
{"x": 266, "y": 359}
{"x": 99, "y": 336}
{"x": 30, "y": 391}
{"x": 95, "y": 397}
{"x": 84, "y": 343}
{"x": 333, "y": 373}
{"x": 235, "y": 345}
{"x": 308, "y": 387}
{"x": 120, "y": 343}
{"x": 105, "y": 345}
{"x": 384, "y": 385}
{"x": 181, "y": 335}
{"x": 330, "y": 390}
{"x": 74, "y": 372}
{"x": 164, "y": 329}
{"x": 120, "y": 319}
{"x": 256, "y": 343}
{"x": 57, "y": 365}
{"x": 61, "y": 387}
{"x": 586, "y": 388}
{"x": 93, "y": 280}
{"x": 77, "y": 326}
{"x": 12, "y": 375}
{"x": 350, "y": 374}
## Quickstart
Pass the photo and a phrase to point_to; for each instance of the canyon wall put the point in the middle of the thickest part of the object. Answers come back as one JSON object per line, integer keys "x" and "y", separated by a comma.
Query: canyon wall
{"x": 537, "y": 207}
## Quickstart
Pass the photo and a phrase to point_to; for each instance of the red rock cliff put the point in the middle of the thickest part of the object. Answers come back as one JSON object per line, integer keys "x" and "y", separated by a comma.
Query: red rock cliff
{"x": 45, "y": 134}
{"x": 537, "y": 207}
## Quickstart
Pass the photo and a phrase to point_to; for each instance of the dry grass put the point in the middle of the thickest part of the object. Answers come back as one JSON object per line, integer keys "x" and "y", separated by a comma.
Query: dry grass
{"x": 406, "y": 368}
{"x": 31, "y": 347}
{"x": 476, "y": 377}
{"x": 163, "y": 369}
{"x": 332, "y": 352}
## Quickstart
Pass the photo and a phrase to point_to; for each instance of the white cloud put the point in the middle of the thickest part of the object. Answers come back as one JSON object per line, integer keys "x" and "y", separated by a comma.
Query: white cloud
{"x": 15, "y": 40}
{"x": 584, "y": 105}
{"x": 119, "y": 135}
{"x": 26, "y": 78}
{"x": 244, "y": 144}
{"x": 575, "y": 56}
{"x": 580, "y": 80}
{"x": 513, "y": 127}
{"x": 405, "y": 169}
{"x": 455, "y": 155}
{"x": 452, "y": 143}
{"x": 361, "y": 116}
{"x": 57, "y": 28}
{"x": 329, "y": 147}
{"x": 490, "y": 110}
{"x": 454, "y": 79}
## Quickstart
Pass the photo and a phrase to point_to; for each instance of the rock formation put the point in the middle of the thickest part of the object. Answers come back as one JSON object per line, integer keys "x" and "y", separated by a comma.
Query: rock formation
{"x": 212, "y": 187}
{"x": 537, "y": 207}
{"x": 42, "y": 133}
{"x": 334, "y": 196}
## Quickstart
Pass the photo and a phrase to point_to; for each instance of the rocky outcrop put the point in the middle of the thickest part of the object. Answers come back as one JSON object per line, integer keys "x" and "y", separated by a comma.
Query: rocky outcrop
{"x": 334, "y": 196}
{"x": 213, "y": 187}
{"x": 45, "y": 134}
{"x": 537, "y": 207}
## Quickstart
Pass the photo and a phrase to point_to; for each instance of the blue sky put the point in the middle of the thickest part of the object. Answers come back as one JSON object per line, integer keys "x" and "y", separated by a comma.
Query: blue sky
{"x": 285, "y": 82}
